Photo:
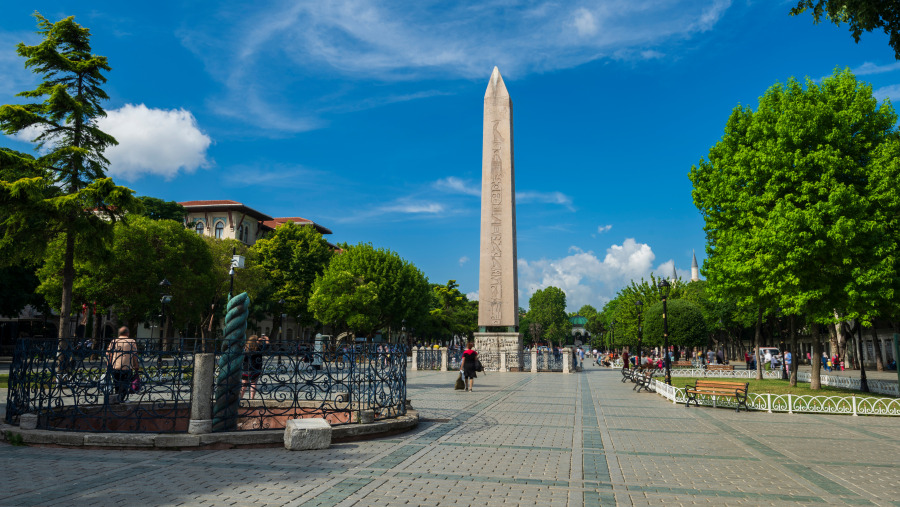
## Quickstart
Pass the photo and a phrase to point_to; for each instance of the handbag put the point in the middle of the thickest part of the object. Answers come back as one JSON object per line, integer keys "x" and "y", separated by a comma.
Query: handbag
{"x": 478, "y": 366}
{"x": 460, "y": 383}
{"x": 136, "y": 383}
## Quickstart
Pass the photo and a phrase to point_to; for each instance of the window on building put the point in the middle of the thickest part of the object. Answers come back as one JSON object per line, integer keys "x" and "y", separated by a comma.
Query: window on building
{"x": 220, "y": 228}
{"x": 199, "y": 228}
{"x": 247, "y": 233}
{"x": 241, "y": 233}
{"x": 290, "y": 334}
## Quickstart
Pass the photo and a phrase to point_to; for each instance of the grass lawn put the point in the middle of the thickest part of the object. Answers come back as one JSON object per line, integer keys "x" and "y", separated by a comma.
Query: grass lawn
{"x": 783, "y": 387}
{"x": 4, "y": 381}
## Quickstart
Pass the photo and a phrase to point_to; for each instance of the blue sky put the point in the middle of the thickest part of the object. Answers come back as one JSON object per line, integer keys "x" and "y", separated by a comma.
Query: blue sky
{"x": 365, "y": 116}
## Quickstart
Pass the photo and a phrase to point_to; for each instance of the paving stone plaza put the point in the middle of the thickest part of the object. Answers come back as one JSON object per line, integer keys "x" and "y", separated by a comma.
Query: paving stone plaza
{"x": 518, "y": 439}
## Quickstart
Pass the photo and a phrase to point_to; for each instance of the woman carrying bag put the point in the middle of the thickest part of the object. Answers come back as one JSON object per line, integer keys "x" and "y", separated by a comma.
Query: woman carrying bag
{"x": 470, "y": 364}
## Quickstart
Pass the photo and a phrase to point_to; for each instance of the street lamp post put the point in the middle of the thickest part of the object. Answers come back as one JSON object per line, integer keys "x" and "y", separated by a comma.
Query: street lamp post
{"x": 164, "y": 299}
{"x": 281, "y": 330}
{"x": 664, "y": 290}
{"x": 640, "y": 307}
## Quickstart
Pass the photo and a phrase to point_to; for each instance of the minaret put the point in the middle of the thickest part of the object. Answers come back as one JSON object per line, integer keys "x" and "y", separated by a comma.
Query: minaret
{"x": 695, "y": 268}
{"x": 674, "y": 275}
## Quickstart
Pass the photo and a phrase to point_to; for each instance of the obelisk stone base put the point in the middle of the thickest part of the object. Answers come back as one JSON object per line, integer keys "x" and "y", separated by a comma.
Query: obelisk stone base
{"x": 489, "y": 346}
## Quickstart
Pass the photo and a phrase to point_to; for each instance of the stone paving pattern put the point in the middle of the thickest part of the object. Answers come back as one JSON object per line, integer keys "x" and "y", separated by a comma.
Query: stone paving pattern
{"x": 520, "y": 439}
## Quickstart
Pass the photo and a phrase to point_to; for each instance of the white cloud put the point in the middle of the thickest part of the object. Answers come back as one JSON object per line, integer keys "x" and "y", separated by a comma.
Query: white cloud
{"x": 545, "y": 197}
{"x": 872, "y": 68}
{"x": 603, "y": 228}
{"x": 584, "y": 277}
{"x": 472, "y": 296}
{"x": 154, "y": 141}
{"x": 414, "y": 207}
{"x": 892, "y": 92}
{"x": 454, "y": 184}
{"x": 584, "y": 22}
{"x": 265, "y": 54}
{"x": 462, "y": 260}
{"x": 651, "y": 54}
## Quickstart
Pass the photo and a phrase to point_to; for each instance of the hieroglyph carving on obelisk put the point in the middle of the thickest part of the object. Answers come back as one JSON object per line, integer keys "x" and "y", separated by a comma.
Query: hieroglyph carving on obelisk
{"x": 498, "y": 292}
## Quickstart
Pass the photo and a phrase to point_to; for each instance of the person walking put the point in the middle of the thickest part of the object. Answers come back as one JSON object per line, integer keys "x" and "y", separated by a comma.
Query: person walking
{"x": 252, "y": 366}
{"x": 788, "y": 361}
{"x": 122, "y": 359}
{"x": 469, "y": 366}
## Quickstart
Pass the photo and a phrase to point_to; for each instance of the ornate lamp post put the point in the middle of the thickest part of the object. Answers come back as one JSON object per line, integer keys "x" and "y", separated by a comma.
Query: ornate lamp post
{"x": 640, "y": 307}
{"x": 663, "y": 286}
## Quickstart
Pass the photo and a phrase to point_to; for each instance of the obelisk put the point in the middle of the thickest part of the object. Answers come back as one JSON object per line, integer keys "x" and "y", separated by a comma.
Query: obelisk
{"x": 498, "y": 294}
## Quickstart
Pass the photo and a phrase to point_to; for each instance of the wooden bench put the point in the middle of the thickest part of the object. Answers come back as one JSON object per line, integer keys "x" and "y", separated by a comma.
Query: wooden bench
{"x": 627, "y": 374}
{"x": 720, "y": 367}
{"x": 719, "y": 389}
{"x": 681, "y": 364}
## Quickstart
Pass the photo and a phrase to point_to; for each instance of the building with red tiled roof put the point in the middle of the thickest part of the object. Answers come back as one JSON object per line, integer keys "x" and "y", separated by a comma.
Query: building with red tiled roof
{"x": 231, "y": 219}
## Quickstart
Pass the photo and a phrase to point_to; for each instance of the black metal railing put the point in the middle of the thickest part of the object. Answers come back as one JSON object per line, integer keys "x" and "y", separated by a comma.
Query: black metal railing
{"x": 428, "y": 358}
{"x": 68, "y": 385}
{"x": 290, "y": 381}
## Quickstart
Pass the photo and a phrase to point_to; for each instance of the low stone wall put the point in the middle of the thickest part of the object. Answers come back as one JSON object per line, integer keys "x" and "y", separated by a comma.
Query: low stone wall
{"x": 223, "y": 440}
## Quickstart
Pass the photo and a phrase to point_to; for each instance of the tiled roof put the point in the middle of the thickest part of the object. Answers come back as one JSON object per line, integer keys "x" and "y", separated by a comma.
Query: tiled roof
{"x": 275, "y": 222}
{"x": 221, "y": 205}
{"x": 206, "y": 203}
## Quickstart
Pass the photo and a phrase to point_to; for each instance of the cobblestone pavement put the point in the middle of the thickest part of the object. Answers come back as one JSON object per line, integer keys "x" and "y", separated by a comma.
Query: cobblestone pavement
{"x": 520, "y": 439}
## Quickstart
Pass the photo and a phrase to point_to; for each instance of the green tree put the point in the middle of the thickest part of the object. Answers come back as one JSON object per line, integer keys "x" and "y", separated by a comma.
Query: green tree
{"x": 144, "y": 252}
{"x": 158, "y": 209}
{"x": 794, "y": 216}
{"x": 451, "y": 314}
{"x": 291, "y": 258}
{"x": 365, "y": 289}
{"x": 687, "y": 327}
{"x": 71, "y": 196}
{"x": 860, "y": 15}
{"x": 547, "y": 309}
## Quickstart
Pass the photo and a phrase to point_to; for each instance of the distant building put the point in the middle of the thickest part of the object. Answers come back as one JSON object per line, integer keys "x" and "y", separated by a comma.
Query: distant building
{"x": 224, "y": 219}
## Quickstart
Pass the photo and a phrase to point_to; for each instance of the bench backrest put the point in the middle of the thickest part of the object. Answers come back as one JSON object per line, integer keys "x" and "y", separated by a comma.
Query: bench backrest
{"x": 720, "y": 367}
{"x": 718, "y": 384}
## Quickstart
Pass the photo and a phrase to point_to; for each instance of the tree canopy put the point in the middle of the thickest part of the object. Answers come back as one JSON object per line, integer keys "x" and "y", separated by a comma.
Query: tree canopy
{"x": 291, "y": 258}
{"x": 860, "y": 15}
{"x": 791, "y": 202}
{"x": 365, "y": 289}
{"x": 547, "y": 309}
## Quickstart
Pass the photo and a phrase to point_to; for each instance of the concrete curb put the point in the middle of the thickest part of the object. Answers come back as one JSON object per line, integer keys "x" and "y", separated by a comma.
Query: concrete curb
{"x": 187, "y": 442}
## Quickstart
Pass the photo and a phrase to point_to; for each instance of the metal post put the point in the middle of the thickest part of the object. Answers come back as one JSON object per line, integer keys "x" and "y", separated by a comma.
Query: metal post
{"x": 666, "y": 339}
{"x": 863, "y": 383}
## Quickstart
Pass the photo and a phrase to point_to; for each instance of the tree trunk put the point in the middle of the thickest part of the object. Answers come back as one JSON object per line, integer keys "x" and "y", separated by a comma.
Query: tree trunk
{"x": 833, "y": 336}
{"x": 757, "y": 337}
{"x": 815, "y": 382}
{"x": 68, "y": 279}
{"x": 876, "y": 344}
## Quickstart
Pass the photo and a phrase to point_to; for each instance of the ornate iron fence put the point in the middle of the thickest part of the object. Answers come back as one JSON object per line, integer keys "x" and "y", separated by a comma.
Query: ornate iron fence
{"x": 289, "y": 381}
{"x": 70, "y": 386}
{"x": 428, "y": 358}
{"x": 454, "y": 359}
{"x": 548, "y": 361}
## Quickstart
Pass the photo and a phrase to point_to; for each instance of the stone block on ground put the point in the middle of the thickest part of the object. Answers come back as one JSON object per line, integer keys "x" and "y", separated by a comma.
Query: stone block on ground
{"x": 303, "y": 434}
